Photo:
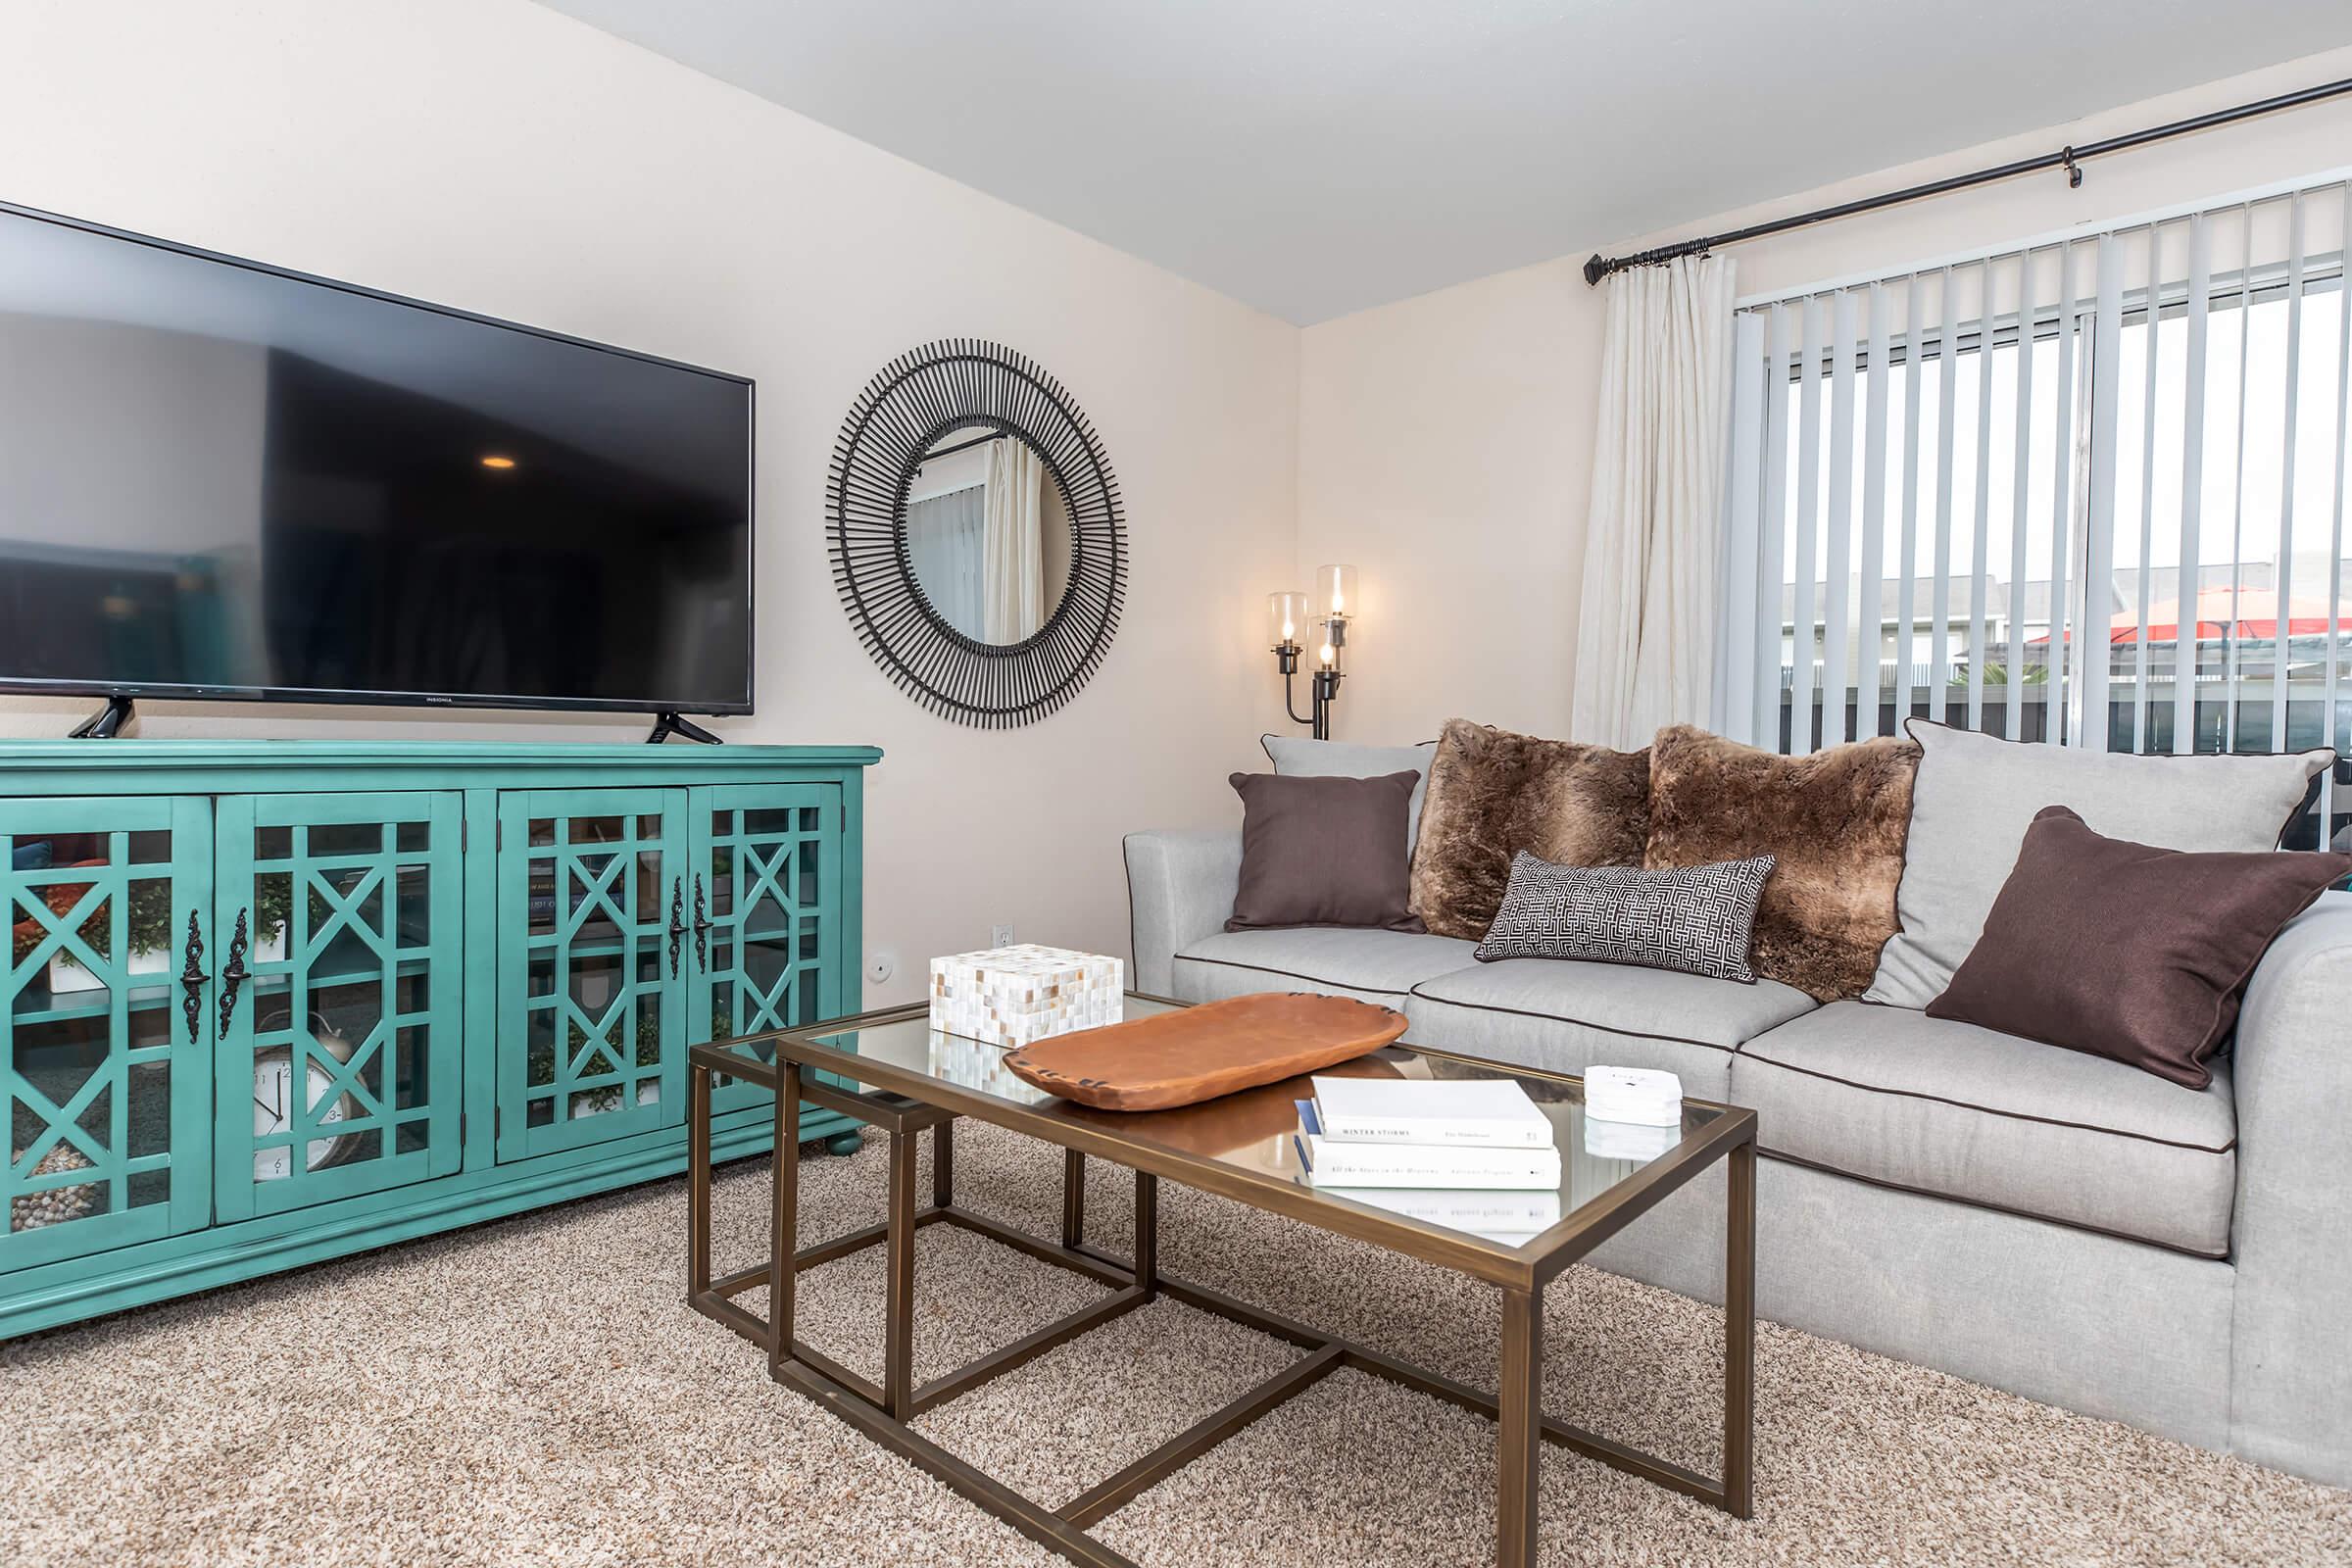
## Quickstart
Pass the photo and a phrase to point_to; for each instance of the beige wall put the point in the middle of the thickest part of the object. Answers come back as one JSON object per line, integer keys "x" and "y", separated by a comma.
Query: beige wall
{"x": 492, "y": 155}
{"x": 1445, "y": 441}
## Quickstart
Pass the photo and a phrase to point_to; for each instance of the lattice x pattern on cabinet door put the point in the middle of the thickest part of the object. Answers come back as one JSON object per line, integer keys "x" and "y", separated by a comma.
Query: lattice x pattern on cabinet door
{"x": 591, "y": 934}
{"x": 768, "y": 920}
{"x": 105, "y": 1023}
{"x": 341, "y": 995}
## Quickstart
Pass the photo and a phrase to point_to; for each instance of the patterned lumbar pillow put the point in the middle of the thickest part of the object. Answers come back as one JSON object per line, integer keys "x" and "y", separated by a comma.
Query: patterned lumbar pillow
{"x": 1697, "y": 919}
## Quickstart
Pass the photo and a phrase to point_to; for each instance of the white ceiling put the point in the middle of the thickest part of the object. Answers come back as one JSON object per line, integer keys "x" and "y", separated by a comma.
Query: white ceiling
{"x": 1315, "y": 157}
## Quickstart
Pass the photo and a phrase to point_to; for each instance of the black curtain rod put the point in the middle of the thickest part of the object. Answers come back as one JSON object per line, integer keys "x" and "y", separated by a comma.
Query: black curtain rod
{"x": 961, "y": 446}
{"x": 2068, "y": 158}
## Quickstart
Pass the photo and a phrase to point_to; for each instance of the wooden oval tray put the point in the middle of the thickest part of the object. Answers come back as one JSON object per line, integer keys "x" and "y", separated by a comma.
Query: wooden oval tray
{"x": 1197, "y": 1054}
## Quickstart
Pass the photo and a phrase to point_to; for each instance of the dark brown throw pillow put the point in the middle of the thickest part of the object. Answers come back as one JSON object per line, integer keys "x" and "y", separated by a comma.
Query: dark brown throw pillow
{"x": 1493, "y": 793}
{"x": 1323, "y": 852}
{"x": 1835, "y": 822}
{"x": 2127, "y": 951}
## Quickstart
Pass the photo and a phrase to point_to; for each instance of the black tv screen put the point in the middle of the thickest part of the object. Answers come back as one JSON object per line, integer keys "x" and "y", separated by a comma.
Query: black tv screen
{"x": 223, "y": 480}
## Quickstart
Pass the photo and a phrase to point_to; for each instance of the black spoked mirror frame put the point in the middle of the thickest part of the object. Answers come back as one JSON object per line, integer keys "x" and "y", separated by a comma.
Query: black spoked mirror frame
{"x": 961, "y": 383}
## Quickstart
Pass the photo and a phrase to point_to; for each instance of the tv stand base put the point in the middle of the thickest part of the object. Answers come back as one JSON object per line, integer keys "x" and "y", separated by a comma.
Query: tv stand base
{"x": 106, "y": 723}
{"x": 667, "y": 724}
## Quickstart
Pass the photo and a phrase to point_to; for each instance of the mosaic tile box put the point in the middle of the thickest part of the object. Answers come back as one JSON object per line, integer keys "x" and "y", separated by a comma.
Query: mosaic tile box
{"x": 1011, "y": 996}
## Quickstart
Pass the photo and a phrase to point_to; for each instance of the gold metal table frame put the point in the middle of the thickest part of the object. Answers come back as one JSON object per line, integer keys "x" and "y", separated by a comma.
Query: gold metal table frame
{"x": 883, "y": 1411}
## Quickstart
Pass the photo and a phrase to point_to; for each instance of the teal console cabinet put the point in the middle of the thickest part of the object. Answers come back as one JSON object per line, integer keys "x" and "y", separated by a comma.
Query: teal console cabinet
{"x": 269, "y": 1003}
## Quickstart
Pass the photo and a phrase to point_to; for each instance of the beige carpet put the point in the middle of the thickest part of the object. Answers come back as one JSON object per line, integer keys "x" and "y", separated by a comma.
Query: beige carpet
{"x": 532, "y": 1391}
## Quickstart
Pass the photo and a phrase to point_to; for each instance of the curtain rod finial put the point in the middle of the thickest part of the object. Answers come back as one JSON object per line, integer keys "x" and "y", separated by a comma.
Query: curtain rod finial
{"x": 1595, "y": 270}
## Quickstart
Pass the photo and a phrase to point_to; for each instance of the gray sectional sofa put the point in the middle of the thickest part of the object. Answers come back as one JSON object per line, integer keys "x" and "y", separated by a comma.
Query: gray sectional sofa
{"x": 2038, "y": 1219}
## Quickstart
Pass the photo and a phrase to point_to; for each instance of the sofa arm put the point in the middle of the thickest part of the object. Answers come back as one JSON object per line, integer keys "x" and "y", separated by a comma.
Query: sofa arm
{"x": 1180, "y": 888}
{"x": 2290, "y": 1380}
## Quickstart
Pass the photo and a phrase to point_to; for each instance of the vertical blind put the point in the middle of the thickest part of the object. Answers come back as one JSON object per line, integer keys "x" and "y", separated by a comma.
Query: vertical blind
{"x": 2088, "y": 491}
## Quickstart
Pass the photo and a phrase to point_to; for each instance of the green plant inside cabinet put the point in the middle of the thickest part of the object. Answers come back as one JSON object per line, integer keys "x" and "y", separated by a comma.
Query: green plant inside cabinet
{"x": 341, "y": 995}
{"x": 766, "y": 915}
{"x": 105, "y": 1031}
{"x": 591, "y": 965}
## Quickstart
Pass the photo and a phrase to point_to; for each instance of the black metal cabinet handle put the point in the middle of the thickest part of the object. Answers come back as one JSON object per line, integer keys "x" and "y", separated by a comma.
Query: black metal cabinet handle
{"x": 677, "y": 921}
{"x": 193, "y": 977}
{"x": 233, "y": 973}
{"x": 701, "y": 928}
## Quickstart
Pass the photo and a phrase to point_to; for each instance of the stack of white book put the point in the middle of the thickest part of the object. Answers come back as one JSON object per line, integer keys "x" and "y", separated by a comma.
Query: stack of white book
{"x": 1472, "y": 1155}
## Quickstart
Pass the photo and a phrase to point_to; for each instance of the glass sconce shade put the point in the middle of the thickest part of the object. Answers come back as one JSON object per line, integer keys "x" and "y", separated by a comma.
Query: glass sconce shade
{"x": 1335, "y": 591}
{"x": 1285, "y": 619}
{"x": 1327, "y": 642}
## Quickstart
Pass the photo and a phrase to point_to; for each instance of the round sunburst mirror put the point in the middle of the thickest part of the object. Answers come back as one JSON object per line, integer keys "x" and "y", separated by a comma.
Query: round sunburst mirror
{"x": 977, "y": 540}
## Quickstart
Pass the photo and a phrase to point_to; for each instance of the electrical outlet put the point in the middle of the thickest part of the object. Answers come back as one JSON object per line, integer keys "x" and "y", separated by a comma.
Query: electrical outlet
{"x": 1001, "y": 935}
{"x": 880, "y": 966}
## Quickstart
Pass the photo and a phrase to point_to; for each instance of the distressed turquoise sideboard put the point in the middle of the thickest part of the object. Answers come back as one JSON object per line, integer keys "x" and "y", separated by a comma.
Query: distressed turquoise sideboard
{"x": 275, "y": 1002}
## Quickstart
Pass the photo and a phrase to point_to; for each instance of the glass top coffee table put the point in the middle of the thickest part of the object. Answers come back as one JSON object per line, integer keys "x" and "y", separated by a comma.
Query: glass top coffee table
{"x": 892, "y": 1070}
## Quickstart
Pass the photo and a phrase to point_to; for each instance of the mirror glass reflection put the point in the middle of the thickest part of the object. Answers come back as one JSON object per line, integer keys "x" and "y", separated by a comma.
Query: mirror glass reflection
{"x": 988, "y": 534}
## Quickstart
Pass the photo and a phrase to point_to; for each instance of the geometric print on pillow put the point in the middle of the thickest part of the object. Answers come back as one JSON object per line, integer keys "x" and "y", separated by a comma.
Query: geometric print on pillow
{"x": 1696, "y": 919}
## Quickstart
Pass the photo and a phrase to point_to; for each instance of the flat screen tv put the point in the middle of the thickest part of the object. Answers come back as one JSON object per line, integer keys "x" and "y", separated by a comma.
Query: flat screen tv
{"x": 221, "y": 480}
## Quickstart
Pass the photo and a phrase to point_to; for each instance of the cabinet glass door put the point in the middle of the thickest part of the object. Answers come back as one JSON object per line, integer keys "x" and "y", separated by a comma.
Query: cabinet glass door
{"x": 340, "y": 996}
{"x": 105, "y": 1023}
{"x": 766, "y": 907}
{"x": 592, "y": 952}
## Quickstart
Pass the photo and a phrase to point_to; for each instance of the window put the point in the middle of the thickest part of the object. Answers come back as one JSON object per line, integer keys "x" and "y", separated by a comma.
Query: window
{"x": 2089, "y": 491}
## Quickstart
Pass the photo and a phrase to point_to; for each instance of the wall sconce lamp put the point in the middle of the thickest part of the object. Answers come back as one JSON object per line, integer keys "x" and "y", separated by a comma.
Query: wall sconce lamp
{"x": 1314, "y": 626}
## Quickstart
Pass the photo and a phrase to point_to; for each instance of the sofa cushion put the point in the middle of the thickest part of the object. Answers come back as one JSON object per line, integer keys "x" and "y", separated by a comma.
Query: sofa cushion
{"x": 1566, "y": 1015}
{"x": 2159, "y": 991}
{"x": 1372, "y": 965}
{"x": 1299, "y": 757}
{"x": 1948, "y": 1109}
{"x": 1976, "y": 795}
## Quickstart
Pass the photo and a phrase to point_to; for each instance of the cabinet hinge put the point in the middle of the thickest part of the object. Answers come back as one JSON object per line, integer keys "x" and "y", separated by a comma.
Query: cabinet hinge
{"x": 460, "y": 1129}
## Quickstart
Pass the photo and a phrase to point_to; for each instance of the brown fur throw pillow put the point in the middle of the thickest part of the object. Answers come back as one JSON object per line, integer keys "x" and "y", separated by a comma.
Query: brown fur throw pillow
{"x": 1836, "y": 821}
{"x": 1493, "y": 793}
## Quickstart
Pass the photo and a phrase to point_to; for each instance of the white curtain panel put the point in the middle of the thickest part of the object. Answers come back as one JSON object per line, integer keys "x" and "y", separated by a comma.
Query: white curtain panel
{"x": 1014, "y": 543}
{"x": 1645, "y": 636}
{"x": 943, "y": 546}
